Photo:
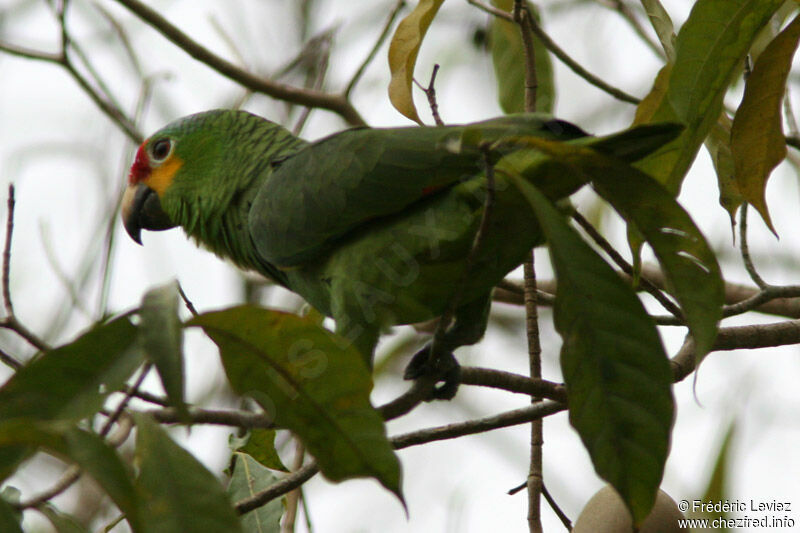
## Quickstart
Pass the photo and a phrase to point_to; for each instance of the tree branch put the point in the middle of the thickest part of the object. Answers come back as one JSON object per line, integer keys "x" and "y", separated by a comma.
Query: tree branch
{"x": 381, "y": 38}
{"x": 336, "y": 103}
{"x": 735, "y": 338}
{"x": 414, "y": 438}
{"x": 10, "y": 321}
{"x": 775, "y": 300}
{"x": 573, "y": 65}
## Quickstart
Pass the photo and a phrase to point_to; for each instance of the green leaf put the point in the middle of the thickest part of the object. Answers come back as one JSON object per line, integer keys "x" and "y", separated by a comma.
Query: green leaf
{"x": 63, "y": 523}
{"x": 312, "y": 382}
{"x": 178, "y": 493}
{"x": 85, "y": 449}
{"x": 9, "y": 518}
{"x": 662, "y": 23}
{"x": 403, "y": 50}
{"x": 249, "y": 478}
{"x": 757, "y": 139}
{"x": 260, "y": 445}
{"x": 718, "y": 144}
{"x": 70, "y": 382}
{"x": 689, "y": 264}
{"x": 717, "y": 488}
{"x": 162, "y": 340}
{"x": 614, "y": 365}
{"x": 709, "y": 50}
{"x": 508, "y": 58}
{"x": 653, "y": 100}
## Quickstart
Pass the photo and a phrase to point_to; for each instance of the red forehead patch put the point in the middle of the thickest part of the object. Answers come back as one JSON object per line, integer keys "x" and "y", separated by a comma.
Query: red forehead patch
{"x": 140, "y": 169}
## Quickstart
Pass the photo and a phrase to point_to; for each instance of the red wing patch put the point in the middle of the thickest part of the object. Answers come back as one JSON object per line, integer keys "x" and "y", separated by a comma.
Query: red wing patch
{"x": 430, "y": 190}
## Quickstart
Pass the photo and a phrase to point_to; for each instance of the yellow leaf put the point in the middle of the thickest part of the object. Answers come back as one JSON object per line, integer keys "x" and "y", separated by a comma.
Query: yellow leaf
{"x": 403, "y": 51}
{"x": 757, "y": 140}
{"x": 650, "y": 103}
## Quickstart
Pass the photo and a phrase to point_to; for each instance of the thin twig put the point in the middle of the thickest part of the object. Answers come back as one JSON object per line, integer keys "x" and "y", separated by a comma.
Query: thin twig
{"x": 524, "y": 20}
{"x": 626, "y": 267}
{"x": 63, "y": 60}
{"x": 507, "y": 381}
{"x": 381, "y": 39}
{"x": 146, "y": 396}
{"x": 470, "y": 427}
{"x": 332, "y": 102}
{"x": 293, "y": 497}
{"x": 9, "y": 306}
{"x": 73, "y": 473}
{"x": 737, "y": 337}
{"x": 126, "y": 399}
{"x": 10, "y": 320}
{"x": 475, "y": 376}
{"x": 414, "y": 438}
{"x": 430, "y": 93}
{"x": 573, "y": 65}
{"x": 787, "y": 294}
{"x": 745, "y": 250}
{"x": 9, "y": 360}
{"x": 630, "y": 17}
{"x": 189, "y": 305}
{"x": 240, "y": 419}
{"x": 535, "y": 472}
{"x": 556, "y": 509}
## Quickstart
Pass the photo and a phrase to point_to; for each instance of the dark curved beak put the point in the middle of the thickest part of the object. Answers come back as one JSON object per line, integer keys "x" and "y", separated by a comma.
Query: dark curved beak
{"x": 141, "y": 209}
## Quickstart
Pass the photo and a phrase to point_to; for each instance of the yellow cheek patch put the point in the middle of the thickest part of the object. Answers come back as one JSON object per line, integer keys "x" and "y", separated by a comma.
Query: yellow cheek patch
{"x": 161, "y": 177}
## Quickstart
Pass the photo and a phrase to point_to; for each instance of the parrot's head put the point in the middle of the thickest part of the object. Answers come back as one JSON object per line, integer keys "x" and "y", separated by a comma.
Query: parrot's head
{"x": 187, "y": 173}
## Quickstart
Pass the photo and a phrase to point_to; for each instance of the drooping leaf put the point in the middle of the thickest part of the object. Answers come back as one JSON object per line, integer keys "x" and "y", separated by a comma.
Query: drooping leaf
{"x": 717, "y": 487}
{"x": 249, "y": 478}
{"x": 101, "y": 462}
{"x": 62, "y": 523}
{"x": 162, "y": 340}
{"x": 311, "y": 383}
{"x": 689, "y": 264}
{"x": 69, "y": 382}
{"x": 709, "y": 49}
{"x": 9, "y": 518}
{"x": 259, "y": 444}
{"x": 662, "y": 23}
{"x": 614, "y": 365}
{"x": 87, "y": 450}
{"x": 403, "y": 50}
{"x": 718, "y": 144}
{"x": 757, "y": 139}
{"x": 508, "y": 58}
{"x": 177, "y": 492}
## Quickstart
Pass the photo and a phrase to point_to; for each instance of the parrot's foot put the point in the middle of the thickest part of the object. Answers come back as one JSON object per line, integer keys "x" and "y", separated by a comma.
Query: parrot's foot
{"x": 444, "y": 368}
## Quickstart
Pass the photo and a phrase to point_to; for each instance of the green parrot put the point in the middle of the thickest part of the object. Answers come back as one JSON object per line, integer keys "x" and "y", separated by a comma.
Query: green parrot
{"x": 372, "y": 227}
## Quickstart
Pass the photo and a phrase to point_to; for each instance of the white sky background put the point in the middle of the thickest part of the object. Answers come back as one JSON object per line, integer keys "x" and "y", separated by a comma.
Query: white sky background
{"x": 69, "y": 164}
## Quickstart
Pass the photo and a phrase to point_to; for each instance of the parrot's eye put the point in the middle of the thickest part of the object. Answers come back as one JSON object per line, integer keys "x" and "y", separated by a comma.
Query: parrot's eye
{"x": 160, "y": 149}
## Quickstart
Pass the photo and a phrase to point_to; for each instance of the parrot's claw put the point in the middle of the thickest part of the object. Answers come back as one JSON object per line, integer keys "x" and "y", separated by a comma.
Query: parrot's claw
{"x": 444, "y": 368}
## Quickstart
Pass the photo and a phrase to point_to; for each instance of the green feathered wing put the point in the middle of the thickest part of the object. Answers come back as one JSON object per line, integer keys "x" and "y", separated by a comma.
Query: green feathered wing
{"x": 373, "y": 226}
{"x": 336, "y": 185}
